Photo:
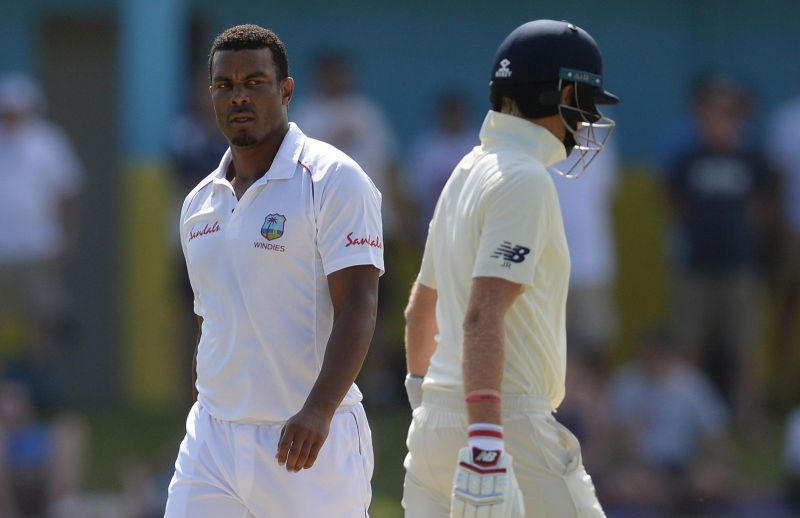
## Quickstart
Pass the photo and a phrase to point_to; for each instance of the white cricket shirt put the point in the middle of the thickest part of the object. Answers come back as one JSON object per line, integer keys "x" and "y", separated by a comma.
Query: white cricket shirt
{"x": 498, "y": 216}
{"x": 258, "y": 267}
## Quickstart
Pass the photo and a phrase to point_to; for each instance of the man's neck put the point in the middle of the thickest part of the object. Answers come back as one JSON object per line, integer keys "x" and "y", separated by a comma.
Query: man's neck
{"x": 248, "y": 164}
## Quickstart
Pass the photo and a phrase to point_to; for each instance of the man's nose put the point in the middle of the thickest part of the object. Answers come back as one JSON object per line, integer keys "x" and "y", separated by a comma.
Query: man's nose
{"x": 240, "y": 95}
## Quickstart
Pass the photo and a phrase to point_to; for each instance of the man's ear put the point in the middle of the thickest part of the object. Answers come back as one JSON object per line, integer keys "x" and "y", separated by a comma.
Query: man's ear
{"x": 568, "y": 95}
{"x": 287, "y": 90}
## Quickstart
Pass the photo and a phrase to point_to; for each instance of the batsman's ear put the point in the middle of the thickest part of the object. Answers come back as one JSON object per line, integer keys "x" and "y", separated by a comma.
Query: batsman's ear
{"x": 568, "y": 95}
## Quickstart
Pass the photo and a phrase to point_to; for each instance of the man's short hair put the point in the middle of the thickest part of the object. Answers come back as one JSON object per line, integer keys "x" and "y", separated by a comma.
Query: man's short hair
{"x": 250, "y": 36}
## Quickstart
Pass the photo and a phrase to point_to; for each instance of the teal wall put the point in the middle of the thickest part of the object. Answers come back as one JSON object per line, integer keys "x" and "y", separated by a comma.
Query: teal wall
{"x": 405, "y": 51}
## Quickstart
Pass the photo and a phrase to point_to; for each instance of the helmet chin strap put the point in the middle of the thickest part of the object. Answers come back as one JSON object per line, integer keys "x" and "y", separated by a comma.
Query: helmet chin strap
{"x": 568, "y": 141}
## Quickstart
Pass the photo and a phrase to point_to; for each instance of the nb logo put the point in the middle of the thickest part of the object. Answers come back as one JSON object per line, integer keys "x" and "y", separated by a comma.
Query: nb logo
{"x": 486, "y": 456}
{"x": 513, "y": 253}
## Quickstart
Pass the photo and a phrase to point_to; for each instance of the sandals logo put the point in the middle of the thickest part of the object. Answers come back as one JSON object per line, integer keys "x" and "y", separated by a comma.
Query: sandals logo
{"x": 207, "y": 229}
{"x": 361, "y": 241}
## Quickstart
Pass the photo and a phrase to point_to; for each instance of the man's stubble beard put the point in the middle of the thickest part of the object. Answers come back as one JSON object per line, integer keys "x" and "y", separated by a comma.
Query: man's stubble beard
{"x": 244, "y": 140}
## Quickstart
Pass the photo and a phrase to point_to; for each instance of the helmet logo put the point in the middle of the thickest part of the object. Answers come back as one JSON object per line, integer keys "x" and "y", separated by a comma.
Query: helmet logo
{"x": 503, "y": 71}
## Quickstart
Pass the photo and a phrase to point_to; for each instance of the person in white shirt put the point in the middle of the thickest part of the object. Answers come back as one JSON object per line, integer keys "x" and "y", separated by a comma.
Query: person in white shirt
{"x": 586, "y": 207}
{"x": 437, "y": 151}
{"x": 42, "y": 178}
{"x": 338, "y": 114}
{"x": 485, "y": 331}
{"x": 283, "y": 247}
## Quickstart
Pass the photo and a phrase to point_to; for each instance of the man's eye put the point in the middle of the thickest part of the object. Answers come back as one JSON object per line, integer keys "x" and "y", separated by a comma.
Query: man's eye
{"x": 253, "y": 82}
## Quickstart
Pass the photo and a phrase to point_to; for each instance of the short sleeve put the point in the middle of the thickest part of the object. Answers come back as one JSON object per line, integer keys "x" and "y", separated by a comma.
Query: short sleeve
{"x": 427, "y": 272}
{"x": 349, "y": 230}
{"x": 515, "y": 227}
{"x": 197, "y": 306}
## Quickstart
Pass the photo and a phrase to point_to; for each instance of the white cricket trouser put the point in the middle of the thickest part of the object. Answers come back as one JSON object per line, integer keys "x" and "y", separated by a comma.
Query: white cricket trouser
{"x": 547, "y": 458}
{"x": 229, "y": 470}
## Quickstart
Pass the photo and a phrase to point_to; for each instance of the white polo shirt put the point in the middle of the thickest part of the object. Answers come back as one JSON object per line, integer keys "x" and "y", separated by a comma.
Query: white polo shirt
{"x": 498, "y": 216}
{"x": 258, "y": 267}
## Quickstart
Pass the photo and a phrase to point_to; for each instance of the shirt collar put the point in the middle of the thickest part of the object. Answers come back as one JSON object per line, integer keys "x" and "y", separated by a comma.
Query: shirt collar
{"x": 500, "y": 129}
{"x": 284, "y": 164}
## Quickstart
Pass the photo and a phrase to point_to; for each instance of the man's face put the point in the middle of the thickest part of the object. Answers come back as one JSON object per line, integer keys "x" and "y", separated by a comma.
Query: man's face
{"x": 249, "y": 101}
{"x": 722, "y": 122}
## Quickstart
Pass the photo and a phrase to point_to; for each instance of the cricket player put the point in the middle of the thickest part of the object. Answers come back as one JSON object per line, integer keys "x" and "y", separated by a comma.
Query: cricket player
{"x": 284, "y": 249}
{"x": 485, "y": 332}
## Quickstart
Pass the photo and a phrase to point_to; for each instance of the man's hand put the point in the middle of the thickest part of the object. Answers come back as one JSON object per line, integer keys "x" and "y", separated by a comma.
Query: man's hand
{"x": 301, "y": 439}
{"x": 484, "y": 486}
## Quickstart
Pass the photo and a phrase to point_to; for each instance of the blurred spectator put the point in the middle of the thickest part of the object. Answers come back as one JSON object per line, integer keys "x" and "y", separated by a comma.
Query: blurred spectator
{"x": 585, "y": 410}
{"x": 196, "y": 143}
{"x": 41, "y": 178}
{"x": 672, "y": 428}
{"x": 41, "y": 465}
{"x": 437, "y": 151}
{"x": 338, "y": 114}
{"x": 586, "y": 205}
{"x": 721, "y": 194}
{"x": 791, "y": 459}
{"x": 783, "y": 145}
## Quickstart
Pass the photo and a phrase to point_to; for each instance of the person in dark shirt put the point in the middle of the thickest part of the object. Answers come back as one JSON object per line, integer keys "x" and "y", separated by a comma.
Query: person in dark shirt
{"x": 720, "y": 193}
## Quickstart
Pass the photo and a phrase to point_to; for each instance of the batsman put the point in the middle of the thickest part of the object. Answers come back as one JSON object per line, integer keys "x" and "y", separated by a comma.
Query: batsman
{"x": 485, "y": 323}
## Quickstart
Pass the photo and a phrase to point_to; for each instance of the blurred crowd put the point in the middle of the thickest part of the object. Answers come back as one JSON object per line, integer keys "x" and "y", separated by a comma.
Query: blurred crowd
{"x": 672, "y": 428}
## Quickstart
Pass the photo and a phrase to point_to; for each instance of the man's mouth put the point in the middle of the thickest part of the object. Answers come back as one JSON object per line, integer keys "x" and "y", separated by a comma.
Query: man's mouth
{"x": 241, "y": 118}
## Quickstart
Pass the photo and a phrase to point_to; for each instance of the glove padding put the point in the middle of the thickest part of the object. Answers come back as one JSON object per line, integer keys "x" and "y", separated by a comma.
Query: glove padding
{"x": 485, "y": 487}
{"x": 414, "y": 390}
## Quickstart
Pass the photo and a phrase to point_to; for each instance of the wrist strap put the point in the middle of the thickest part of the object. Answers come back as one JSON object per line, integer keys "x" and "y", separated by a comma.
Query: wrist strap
{"x": 485, "y": 436}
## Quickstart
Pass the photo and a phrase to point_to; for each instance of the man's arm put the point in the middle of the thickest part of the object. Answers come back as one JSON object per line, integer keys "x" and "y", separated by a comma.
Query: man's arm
{"x": 484, "y": 343}
{"x": 484, "y": 483}
{"x": 354, "y": 293}
{"x": 194, "y": 357}
{"x": 421, "y": 329}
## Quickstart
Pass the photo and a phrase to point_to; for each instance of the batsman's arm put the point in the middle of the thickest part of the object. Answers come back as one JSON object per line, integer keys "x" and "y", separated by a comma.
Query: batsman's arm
{"x": 484, "y": 343}
{"x": 421, "y": 329}
{"x": 194, "y": 357}
{"x": 354, "y": 293}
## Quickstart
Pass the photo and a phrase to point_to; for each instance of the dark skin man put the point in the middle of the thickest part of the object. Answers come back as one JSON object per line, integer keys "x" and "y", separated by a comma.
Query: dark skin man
{"x": 251, "y": 106}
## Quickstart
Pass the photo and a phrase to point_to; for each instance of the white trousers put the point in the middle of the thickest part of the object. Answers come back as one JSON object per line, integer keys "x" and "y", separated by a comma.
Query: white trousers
{"x": 229, "y": 470}
{"x": 547, "y": 458}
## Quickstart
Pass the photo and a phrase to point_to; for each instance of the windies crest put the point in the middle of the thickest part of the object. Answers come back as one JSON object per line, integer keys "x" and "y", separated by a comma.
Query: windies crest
{"x": 273, "y": 226}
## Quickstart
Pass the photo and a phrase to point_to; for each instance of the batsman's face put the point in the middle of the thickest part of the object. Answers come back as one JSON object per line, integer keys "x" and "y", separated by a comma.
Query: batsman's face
{"x": 249, "y": 101}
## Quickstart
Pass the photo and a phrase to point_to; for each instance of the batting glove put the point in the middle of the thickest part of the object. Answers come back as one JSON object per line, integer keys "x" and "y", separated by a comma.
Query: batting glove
{"x": 414, "y": 390}
{"x": 484, "y": 485}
